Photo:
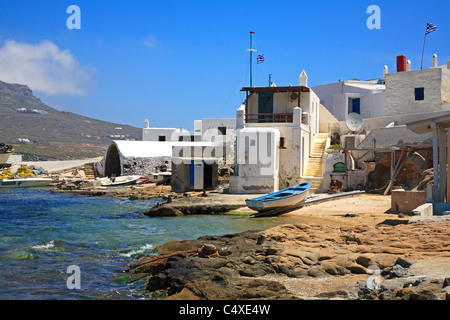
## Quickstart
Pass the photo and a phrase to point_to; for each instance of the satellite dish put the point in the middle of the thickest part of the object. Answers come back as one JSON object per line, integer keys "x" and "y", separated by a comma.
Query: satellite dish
{"x": 354, "y": 122}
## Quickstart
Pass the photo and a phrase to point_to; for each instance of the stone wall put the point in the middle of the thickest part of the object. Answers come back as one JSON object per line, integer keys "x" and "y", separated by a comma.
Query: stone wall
{"x": 145, "y": 166}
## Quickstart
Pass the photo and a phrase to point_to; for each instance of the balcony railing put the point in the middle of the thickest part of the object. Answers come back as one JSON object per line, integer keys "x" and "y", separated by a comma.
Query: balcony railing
{"x": 271, "y": 118}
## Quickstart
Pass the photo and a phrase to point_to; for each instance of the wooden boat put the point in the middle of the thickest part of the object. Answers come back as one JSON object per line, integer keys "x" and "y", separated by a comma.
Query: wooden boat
{"x": 119, "y": 181}
{"x": 25, "y": 182}
{"x": 280, "y": 199}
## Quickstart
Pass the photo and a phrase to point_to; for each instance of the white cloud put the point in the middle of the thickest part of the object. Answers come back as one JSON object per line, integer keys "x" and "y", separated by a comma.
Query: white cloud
{"x": 44, "y": 68}
{"x": 150, "y": 41}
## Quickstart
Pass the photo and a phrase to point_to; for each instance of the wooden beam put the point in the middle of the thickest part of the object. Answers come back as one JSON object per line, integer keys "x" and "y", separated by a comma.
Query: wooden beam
{"x": 276, "y": 89}
{"x": 395, "y": 170}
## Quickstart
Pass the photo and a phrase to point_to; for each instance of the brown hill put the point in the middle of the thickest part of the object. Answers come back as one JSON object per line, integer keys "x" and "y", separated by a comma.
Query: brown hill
{"x": 53, "y": 134}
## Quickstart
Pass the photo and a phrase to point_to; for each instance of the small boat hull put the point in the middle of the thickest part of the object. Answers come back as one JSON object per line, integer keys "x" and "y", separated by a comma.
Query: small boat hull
{"x": 280, "y": 199}
{"x": 119, "y": 181}
{"x": 25, "y": 182}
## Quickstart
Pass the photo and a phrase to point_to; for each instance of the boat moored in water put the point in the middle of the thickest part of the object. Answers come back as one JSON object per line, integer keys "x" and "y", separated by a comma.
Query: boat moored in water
{"x": 25, "y": 182}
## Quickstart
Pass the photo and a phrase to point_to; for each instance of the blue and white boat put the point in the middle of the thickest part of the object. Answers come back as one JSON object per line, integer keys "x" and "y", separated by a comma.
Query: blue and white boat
{"x": 280, "y": 199}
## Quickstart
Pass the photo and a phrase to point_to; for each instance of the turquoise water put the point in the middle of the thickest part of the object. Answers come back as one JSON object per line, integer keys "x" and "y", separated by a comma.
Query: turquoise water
{"x": 43, "y": 233}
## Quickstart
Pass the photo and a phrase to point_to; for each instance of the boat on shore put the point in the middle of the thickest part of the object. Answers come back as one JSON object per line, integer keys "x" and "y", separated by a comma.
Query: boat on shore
{"x": 25, "y": 182}
{"x": 119, "y": 181}
{"x": 280, "y": 199}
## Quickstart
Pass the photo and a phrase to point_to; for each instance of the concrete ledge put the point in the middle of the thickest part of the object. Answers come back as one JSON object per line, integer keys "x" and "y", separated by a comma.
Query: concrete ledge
{"x": 407, "y": 201}
{"x": 424, "y": 210}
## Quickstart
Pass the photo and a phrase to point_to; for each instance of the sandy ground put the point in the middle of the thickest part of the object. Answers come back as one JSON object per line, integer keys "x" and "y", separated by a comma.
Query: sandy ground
{"x": 367, "y": 208}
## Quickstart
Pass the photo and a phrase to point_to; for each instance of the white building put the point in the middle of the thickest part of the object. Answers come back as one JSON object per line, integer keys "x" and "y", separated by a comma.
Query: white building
{"x": 363, "y": 97}
{"x": 417, "y": 91}
{"x": 274, "y": 133}
{"x": 399, "y": 93}
{"x": 165, "y": 134}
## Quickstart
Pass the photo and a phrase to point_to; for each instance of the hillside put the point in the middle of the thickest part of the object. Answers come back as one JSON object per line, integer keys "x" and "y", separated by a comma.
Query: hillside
{"x": 53, "y": 134}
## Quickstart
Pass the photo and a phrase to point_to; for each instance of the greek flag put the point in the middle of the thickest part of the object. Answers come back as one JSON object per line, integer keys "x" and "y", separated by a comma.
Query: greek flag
{"x": 430, "y": 28}
{"x": 260, "y": 58}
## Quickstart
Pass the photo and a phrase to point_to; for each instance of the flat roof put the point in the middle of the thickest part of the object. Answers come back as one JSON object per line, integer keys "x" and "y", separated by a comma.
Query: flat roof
{"x": 277, "y": 89}
{"x": 424, "y": 126}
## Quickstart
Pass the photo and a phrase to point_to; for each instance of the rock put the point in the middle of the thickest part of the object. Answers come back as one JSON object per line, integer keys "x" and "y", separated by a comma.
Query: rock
{"x": 316, "y": 272}
{"x": 208, "y": 250}
{"x": 365, "y": 292}
{"x": 163, "y": 211}
{"x": 446, "y": 282}
{"x": 413, "y": 293}
{"x": 300, "y": 251}
{"x": 397, "y": 271}
{"x": 402, "y": 262}
{"x": 261, "y": 238}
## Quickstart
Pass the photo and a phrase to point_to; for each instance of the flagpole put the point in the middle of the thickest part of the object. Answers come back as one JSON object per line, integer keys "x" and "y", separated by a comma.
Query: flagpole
{"x": 251, "y": 51}
{"x": 423, "y": 48}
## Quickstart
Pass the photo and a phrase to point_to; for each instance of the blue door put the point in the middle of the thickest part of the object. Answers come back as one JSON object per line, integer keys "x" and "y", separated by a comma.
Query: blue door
{"x": 191, "y": 175}
{"x": 265, "y": 105}
{"x": 356, "y": 106}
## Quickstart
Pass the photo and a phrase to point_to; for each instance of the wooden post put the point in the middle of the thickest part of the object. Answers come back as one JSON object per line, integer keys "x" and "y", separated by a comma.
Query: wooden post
{"x": 448, "y": 164}
{"x": 433, "y": 125}
{"x": 442, "y": 165}
{"x": 246, "y": 107}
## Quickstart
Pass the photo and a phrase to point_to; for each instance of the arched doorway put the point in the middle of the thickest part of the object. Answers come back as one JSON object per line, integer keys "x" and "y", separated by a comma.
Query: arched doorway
{"x": 112, "y": 162}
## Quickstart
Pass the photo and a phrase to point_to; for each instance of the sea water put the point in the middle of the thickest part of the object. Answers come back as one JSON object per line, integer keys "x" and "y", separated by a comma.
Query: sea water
{"x": 43, "y": 233}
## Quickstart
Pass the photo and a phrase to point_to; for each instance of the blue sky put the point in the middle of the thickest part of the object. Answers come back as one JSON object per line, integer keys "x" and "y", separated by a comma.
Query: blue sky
{"x": 177, "y": 61}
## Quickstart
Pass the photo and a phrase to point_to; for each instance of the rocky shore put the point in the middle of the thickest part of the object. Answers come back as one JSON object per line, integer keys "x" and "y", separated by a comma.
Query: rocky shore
{"x": 382, "y": 260}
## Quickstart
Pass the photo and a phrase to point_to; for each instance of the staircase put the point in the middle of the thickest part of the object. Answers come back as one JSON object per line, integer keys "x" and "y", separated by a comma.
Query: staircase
{"x": 314, "y": 172}
{"x": 89, "y": 171}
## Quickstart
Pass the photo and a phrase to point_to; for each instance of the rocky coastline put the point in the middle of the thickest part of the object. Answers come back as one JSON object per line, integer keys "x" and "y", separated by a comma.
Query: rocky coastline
{"x": 348, "y": 249}
{"x": 406, "y": 261}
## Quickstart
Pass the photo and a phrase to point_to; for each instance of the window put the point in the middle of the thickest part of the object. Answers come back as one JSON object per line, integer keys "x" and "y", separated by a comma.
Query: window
{"x": 282, "y": 143}
{"x": 419, "y": 94}
{"x": 162, "y": 138}
{"x": 222, "y": 130}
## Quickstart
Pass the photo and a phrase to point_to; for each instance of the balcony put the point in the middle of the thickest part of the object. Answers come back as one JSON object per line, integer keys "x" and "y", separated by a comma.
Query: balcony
{"x": 271, "y": 118}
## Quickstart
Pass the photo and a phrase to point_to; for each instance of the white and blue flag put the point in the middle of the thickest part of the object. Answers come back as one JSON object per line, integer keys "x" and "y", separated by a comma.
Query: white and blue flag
{"x": 430, "y": 28}
{"x": 260, "y": 58}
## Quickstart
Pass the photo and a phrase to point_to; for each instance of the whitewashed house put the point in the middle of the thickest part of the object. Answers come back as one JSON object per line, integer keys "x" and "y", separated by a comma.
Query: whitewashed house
{"x": 417, "y": 91}
{"x": 275, "y": 129}
{"x": 343, "y": 97}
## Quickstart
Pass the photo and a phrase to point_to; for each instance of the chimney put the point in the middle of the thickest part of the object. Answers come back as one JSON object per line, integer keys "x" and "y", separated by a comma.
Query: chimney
{"x": 408, "y": 65}
{"x": 434, "y": 62}
{"x": 385, "y": 71}
{"x": 303, "y": 79}
{"x": 401, "y": 63}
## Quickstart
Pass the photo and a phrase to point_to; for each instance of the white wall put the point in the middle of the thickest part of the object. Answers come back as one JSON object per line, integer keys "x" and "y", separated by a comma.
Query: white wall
{"x": 400, "y": 87}
{"x": 335, "y": 97}
{"x": 257, "y": 156}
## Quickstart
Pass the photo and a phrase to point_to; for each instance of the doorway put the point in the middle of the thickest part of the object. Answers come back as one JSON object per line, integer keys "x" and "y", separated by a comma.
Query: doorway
{"x": 265, "y": 105}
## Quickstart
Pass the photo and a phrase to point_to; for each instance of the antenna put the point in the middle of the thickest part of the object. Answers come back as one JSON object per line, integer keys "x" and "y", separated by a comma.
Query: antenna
{"x": 354, "y": 122}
